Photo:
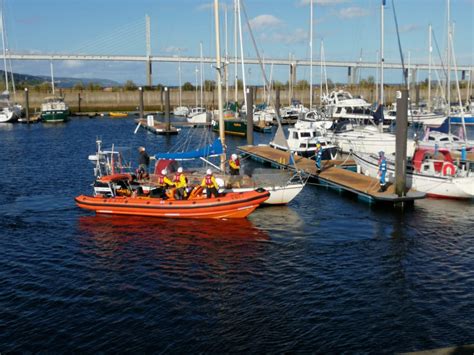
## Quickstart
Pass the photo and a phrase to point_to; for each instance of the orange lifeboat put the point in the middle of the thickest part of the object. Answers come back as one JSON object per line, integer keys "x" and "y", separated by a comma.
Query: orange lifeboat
{"x": 232, "y": 205}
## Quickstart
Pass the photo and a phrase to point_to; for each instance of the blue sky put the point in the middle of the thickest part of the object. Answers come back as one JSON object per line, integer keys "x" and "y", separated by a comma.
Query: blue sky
{"x": 350, "y": 28}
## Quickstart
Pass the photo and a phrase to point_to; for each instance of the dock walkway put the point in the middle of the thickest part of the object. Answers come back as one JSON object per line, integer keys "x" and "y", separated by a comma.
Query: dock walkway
{"x": 333, "y": 174}
{"x": 158, "y": 127}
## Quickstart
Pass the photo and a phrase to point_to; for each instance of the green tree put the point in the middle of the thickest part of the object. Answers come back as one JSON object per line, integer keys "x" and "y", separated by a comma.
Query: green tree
{"x": 302, "y": 84}
{"x": 129, "y": 85}
{"x": 187, "y": 86}
{"x": 209, "y": 85}
{"x": 79, "y": 86}
{"x": 278, "y": 84}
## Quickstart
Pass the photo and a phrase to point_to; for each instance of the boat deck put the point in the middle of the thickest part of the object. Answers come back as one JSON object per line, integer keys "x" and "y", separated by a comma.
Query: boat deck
{"x": 334, "y": 174}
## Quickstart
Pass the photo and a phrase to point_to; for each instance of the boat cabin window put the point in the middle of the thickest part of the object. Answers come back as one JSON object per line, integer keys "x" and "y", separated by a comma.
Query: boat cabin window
{"x": 295, "y": 135}
{"x": 456, "y": 139}
{"x": 305, "y": 134}
{"x": 431, "y": 138}
{"x": 445, "y": 139}
{"x": 312, "y": 145}
{"x": 339, "y": 109}
{"x": 349, "y": 109}
{"x": 303, "y": 145}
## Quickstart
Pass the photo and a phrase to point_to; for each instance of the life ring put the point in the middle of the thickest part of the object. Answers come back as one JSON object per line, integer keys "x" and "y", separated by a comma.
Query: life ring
{"x": 449, "y": 169}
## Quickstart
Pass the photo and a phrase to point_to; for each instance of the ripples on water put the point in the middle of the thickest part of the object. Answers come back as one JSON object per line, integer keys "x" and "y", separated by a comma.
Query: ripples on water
{"x": 324, "y": 274}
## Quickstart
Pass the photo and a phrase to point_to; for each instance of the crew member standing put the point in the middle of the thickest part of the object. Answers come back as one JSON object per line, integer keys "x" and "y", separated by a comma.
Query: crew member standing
{"x": 163, "y": 184}
{"x": 210, "y": 183}
{"x": 234, "y": 167}
{"x": 180, "y": 182}
{"x": 143, "y": 163}
{"x": 319, "y": 155}
{"x": 382, "y": 171}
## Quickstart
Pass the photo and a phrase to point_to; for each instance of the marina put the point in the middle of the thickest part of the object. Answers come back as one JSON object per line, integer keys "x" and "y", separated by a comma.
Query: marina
{"x": 256, "y": 189}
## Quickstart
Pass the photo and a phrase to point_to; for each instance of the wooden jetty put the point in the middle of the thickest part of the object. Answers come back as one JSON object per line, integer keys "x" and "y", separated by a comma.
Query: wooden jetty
{"x": 334, "y": 174}
{"x": 158, "y": 127}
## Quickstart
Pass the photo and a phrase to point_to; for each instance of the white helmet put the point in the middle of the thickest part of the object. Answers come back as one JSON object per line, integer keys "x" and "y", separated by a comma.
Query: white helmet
{"x": 180, "y": 170}
{"x": 209, "y": 172}
{"x": 164, "y": 172}
{"x": 234, "y": 156}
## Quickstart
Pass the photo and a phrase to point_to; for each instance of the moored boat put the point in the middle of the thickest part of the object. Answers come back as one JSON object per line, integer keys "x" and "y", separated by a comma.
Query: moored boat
{"x": 118, "y": 114}
{"x": 54, "y": 109}
{"x": 431, "y": 171}
{"x": 114, "y": 195}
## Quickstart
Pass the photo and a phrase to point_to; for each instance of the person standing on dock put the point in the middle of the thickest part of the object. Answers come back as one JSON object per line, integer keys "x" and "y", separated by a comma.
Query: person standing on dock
{"x": 319, "y": 155}
{"x": 382, "y": 171}
{"x": 143, "y": 163}
{"x": 234, "y": 168}
{"x": 210, "y": 183}
{"x": 180, "y": 182}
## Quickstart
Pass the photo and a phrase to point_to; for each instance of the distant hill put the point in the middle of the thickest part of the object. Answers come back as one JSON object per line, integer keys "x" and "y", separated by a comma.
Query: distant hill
{"x": 59, "y": 81}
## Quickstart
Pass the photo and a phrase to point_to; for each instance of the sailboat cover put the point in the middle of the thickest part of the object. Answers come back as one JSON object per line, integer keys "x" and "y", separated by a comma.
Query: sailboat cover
{"x": 213, "y": 149}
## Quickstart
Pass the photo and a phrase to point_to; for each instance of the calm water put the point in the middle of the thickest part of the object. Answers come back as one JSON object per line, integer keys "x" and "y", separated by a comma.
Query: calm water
{"x": 324, "y": 274}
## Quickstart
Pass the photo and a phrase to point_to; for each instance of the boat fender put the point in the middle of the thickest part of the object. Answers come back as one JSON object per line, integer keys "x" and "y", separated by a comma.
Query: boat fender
{"x": 449, "y": 169}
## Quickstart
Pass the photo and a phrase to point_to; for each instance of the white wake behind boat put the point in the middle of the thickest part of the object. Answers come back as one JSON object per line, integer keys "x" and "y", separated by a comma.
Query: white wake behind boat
{"x": 437, "y": 175}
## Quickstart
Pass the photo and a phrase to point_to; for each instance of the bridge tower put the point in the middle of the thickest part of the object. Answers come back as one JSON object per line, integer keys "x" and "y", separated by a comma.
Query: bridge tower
{"x": 148, "y": 52}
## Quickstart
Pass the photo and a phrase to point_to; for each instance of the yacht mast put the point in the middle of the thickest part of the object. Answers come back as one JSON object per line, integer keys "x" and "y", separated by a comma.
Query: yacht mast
{"x": 226, "y": 60}
{"x": 4, "y": 50}
{"x": 242, "y": 56}
{"x": 448, "y": 79}
{"x": 52, "y": 75}
{"x": 236, "y": 97}
{"x": 196, "y": 86}
{"x": 311, "y": 56}
{"x": 179, "y": 78}
{"x": 430, "y": 50}
{"x": 219, "y": 83}
{"x": 201, "y": 70}
{"x": 381, "y": 51}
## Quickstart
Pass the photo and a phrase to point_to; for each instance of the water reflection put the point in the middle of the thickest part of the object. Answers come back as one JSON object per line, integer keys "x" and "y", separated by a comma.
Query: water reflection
{"x": 115, "y": 232}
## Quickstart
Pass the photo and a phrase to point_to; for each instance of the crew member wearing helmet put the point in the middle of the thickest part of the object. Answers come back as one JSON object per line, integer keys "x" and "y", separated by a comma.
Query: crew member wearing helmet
{"x": 180, "y": 181}
{"x": 382, "y": 171}
{"x": 163, "y": 184}
{"x": 210, "y": 183}
{"x": 319, "y": 155}
{"x": 234, "y": 167}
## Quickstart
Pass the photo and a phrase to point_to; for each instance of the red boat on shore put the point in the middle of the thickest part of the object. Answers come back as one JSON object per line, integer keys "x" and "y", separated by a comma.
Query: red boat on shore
{"x": 115, "y": 195}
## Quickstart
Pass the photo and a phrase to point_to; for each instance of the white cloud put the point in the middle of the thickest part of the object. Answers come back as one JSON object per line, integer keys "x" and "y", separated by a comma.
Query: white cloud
{"x": 351, "y": 12}
{"x": 297, "y": 36}
{"x": 174, "y": 49}
{"x": 205, "y": 6}
{"x": 73, "y": 63}
{"x": 409, "y": 28}
{"x": 265, "y": 21}
{"x": 322, "y": 2}
{"x": 210, "y": 5}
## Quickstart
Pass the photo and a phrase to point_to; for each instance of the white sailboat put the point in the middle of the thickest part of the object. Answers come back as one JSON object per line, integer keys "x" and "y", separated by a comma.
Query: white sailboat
{"x": 199, "y": 114}
{"x": 8, "y": 111}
